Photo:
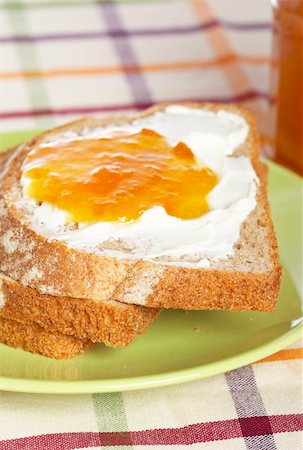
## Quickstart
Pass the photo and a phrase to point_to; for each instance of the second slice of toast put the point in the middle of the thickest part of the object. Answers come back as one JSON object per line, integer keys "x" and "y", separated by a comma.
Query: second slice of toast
{"x": 35, "y": 339}
{"x": 113, "y": 323}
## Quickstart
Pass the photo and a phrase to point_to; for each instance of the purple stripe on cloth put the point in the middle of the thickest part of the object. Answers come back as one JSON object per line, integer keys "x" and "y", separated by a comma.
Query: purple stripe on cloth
{"x": 133, "y": 33}
{"x": 253, "y": 26}
{"x": 246, "y": 96}
{"x": 135, "y": 80}
{"x": 257, "y": 433}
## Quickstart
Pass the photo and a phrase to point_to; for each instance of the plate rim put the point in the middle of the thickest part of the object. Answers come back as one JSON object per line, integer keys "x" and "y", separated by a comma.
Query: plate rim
{"x": 201, "y": 371}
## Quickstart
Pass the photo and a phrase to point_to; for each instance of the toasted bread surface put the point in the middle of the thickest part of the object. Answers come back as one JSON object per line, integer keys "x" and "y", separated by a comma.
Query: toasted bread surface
{"x": 113, "y": 323}
{"x": 249, "y": 279}
{"x": 32, "y": 338}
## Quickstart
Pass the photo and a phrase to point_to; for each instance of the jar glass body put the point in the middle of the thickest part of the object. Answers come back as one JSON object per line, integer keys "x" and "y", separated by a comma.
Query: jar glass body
{"x": 287, "y": 83}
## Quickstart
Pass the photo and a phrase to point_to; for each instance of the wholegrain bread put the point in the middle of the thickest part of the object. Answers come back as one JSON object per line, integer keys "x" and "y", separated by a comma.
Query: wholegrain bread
{"x": 113, "y": 323}
{"x": 33, "y": 338}
{"x": 247, "y": 279}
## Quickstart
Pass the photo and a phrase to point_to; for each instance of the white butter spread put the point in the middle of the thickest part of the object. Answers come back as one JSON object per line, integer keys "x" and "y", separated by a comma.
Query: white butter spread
{"x": 212, "y": 137}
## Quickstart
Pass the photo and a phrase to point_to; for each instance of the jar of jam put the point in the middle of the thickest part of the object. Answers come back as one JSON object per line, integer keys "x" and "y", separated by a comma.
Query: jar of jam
{"x": 287, "y": 83}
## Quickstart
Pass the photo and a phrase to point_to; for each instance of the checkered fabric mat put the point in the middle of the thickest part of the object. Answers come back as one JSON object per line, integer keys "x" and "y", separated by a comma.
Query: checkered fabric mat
{"x": 62, "y": 59}
{"x": 253, "y": 408}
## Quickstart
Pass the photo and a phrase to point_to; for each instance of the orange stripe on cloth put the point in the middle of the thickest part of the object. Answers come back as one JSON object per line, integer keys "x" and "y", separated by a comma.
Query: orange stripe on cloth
{"x": 179, "y": 65}
{"x": 217, "y": 37}
{"x": 283, "y": 355}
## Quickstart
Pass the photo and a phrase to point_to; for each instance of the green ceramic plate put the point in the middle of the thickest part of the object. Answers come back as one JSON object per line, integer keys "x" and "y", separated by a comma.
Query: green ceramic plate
{"x": 180, "y": 346}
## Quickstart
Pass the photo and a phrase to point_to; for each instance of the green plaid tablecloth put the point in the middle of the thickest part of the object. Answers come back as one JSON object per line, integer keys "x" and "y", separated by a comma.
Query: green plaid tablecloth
{"x": 62, "y": 59}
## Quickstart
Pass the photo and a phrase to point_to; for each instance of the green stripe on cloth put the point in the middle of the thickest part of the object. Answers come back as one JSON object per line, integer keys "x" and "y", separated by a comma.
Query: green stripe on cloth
{"x": 51, "y": 4}
{"x": 36, "y": 89}
{"x": 111, "y": 416}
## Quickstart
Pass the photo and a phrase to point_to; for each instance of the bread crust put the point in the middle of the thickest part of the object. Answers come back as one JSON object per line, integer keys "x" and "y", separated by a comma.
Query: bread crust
{"x": 50, "y": 266}
{"x": 32, "y": 338}
{"x": 115, "y": 324}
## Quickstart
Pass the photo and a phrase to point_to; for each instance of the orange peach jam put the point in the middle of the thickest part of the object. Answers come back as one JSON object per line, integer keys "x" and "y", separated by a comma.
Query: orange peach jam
{"x": 119, "y": 177}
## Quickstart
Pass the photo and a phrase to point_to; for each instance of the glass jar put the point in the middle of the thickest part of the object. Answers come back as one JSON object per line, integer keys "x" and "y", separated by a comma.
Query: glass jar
{"x": 287, "y": 83}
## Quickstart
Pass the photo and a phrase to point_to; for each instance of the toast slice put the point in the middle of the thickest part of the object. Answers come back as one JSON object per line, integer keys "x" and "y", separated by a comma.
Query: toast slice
{"x": 247, "y": 278}
{"x": 32, "y": 338}
{"x": 113, "y": 323}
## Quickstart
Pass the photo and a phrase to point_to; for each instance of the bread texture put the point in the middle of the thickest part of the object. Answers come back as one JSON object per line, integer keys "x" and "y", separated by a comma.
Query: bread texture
{"x": 113, "y": 323}
{"x": 247, "y": 280}
{"x": 32, "y": 338}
